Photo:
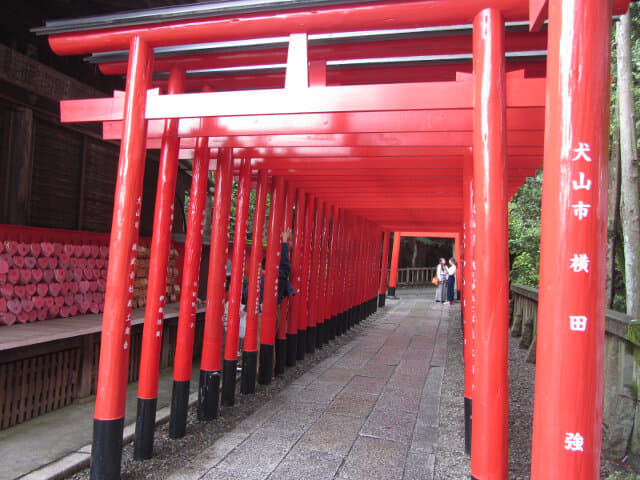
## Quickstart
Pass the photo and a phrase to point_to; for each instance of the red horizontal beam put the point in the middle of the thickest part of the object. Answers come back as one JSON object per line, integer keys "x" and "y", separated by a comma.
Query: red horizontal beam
{"x": 311, "y": 153}
{"x": 427, "y": 138}
{"x": 361, "y": 98}
{"x": 522, "y": 118}
{"x": 323, "y": 152}
{"x": 383, "y": 178}
{"x": 391, "y": 204}
{"x": 449, "y": 165}
{"x": 352, "y": 76}
{"x": 447, "y": 153}
{"x": 430, "y": 234}
{"x": 371, "y": 164}
{"x": 261, "y": 25}
{"x": 365, "y": 98}
{"x": 453, "y": 187}
{"x": 404, "y": 47}
{"x": 386, "y": 151}
{"x": 424, "y": 225}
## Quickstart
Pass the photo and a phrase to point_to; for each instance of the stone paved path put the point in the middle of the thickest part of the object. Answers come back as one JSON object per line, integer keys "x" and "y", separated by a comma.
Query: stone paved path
{"x": 368, "y": 412}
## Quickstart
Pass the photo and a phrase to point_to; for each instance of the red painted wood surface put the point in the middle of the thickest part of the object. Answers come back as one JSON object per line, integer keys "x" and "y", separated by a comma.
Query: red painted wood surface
{"x": 567, "y": 421}
{"x": 489, "y": 447}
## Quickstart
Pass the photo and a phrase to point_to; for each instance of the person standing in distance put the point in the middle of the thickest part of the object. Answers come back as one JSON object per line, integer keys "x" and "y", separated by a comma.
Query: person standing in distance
{"x": 441, "y": 275}
{"x": 451, "y": 280}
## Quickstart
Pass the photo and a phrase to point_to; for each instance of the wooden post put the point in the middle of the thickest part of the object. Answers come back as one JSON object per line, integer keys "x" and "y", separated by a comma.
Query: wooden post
{"x": 567, "y": 419}
{"x": 395, "y": 258}
{"x": 489, "y": 448}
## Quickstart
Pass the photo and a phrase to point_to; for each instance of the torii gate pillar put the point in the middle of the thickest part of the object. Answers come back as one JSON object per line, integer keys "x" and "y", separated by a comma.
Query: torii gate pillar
{"x": 108, "y": 422}
{"x": 567, "y": 418}
{"x": 489, "y": 446}
{"x": 468, "y": 294}
{"x": 395, "y": 258}
{"x": 157, "y": 288}
{"x": 383, "y": 269}
{"x": 183, "y": 361}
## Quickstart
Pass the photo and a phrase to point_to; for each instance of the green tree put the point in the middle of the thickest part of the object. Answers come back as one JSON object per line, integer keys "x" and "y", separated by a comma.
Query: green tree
{"x": 524, "y": 232}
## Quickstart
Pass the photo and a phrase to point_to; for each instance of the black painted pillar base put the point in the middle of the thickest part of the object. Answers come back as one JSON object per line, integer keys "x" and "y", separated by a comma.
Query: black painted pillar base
{"x": 208, "y": 395}
{"x": 392, "y": 292}
{"x": 249, "y": 368}
{"x": 179, "y": 407}
{"x": 281, "y": 356}
{"x": 292, "y": 349}
{"x": 339, "y": 324}
{"x": 302, "y": 344}
{"x": 333, "y": 322}
{"x": 468, "y": 403}
{"x": 326, "y": 331}
{"x": 106, "y": 453}
{"x": 229, "y": 368}
{"x": 265, "y": 370}
{"x": 319, "y": 334}
{"x": 311, "y": 339}
{"x": 145, "y": 425}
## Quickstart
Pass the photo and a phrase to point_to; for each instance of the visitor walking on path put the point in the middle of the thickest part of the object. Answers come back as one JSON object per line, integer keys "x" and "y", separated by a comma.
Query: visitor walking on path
{"x": 441, "y": 275}
{"x": 451, "y": 281}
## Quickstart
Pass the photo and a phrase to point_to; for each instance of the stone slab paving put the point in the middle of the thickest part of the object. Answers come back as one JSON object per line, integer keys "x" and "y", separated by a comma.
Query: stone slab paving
{"x": 368, "y": 412}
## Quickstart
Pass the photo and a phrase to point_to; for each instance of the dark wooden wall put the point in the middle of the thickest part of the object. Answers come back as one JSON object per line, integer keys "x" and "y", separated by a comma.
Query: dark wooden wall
{"x": 60, "y": 176}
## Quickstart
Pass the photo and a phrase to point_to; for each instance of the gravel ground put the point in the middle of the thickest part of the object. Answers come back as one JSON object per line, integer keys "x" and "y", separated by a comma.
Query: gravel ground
{"x": 451, "y": 461}
{"x": 172, "y": 455}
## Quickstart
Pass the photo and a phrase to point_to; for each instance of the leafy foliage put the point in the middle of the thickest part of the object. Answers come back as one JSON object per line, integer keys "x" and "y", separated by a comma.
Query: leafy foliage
{"x": 524, "y": 232}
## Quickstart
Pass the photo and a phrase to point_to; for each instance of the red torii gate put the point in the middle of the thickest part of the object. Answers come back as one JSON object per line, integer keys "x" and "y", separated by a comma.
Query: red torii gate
{"x": 395, "y": 256}
{"x": 367, "y": 156}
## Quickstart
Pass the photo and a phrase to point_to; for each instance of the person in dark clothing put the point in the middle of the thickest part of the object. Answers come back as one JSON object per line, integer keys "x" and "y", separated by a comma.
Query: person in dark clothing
{"x": 451, "y": 281}
{"x": 285, "y": 289}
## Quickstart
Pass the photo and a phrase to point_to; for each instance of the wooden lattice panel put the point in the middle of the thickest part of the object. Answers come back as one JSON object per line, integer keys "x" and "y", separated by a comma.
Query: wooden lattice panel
{"x": 33, "y": 386}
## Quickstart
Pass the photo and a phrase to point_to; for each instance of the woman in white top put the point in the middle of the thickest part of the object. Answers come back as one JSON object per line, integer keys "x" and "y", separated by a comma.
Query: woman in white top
{"x": 451, "y": 281}
{"x": 441, "y": 274}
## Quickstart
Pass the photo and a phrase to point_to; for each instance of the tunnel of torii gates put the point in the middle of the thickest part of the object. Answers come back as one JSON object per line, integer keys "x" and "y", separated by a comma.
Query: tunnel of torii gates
{"x": 364, "y": 118}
